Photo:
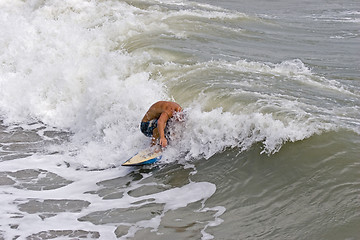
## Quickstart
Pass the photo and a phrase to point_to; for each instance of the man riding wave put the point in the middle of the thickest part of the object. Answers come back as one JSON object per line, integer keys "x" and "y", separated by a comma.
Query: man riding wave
{"x": 155, "y": 120}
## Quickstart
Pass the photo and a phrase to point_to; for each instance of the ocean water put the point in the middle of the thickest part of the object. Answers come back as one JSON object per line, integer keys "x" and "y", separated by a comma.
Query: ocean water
{"x": 270, "y": 147}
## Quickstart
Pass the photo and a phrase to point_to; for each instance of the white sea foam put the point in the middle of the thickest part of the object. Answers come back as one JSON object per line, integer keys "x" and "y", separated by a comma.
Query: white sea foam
{"x": 207, "y": 133}
{"x": 83, "y": 182}
{"x": 339, "y": 16}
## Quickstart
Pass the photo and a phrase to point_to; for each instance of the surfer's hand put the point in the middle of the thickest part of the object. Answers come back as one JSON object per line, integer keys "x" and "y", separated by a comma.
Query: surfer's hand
{"x": 163, "y": 142}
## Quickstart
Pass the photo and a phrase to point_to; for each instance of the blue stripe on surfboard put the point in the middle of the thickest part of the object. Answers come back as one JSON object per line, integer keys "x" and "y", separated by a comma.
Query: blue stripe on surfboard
{"x": 150, "y": 161}
{"x": 146, "y": 162}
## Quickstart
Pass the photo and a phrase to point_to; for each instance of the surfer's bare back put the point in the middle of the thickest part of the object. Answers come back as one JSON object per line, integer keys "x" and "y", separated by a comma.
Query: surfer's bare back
{"x": 154, "y": 122}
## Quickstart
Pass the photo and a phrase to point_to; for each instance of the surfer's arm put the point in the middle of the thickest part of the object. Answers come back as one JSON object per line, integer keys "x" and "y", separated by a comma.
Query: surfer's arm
{"x": 161, "y": 124}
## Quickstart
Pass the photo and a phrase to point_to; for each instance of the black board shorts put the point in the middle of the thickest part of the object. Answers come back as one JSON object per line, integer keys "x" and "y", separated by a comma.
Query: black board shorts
{"x": 147, "y": 128}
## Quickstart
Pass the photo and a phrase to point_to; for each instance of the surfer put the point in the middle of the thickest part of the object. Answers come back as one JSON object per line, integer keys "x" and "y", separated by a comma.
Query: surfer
{"x": 154, "y": 122}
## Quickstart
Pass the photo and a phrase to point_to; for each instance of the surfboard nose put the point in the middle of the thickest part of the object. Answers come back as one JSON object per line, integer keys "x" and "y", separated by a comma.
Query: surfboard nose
{"x": 143, "y": 158}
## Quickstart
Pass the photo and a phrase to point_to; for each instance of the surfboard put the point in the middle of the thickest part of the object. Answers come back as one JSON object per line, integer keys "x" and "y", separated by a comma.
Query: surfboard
{"x": 144, "y": 157}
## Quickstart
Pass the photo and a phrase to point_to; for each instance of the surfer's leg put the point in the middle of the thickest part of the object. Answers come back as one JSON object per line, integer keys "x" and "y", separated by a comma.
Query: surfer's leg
{"x": 154, "y": 141}
{"x": 155, "y": 136}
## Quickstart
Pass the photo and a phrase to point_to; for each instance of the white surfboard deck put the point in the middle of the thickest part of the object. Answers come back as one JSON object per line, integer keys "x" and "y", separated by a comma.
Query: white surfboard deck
{"x": 144, "y": 157}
